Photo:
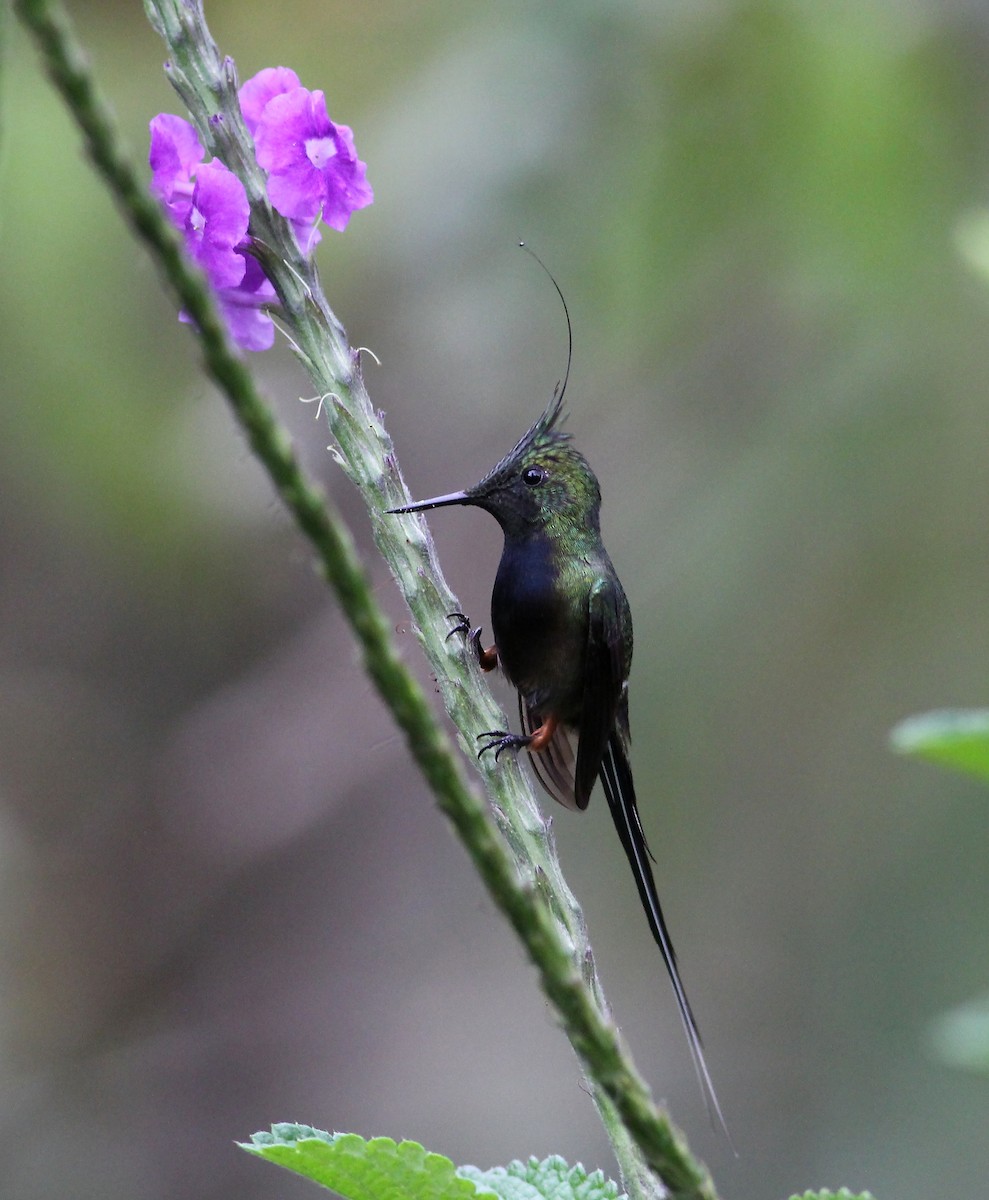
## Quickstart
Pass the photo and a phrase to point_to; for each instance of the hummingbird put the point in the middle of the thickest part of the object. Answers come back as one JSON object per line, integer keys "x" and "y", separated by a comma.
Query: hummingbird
{"x": 563, "y": 638}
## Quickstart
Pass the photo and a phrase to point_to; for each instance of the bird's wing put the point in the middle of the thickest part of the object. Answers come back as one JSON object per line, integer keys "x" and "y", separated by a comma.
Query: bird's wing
{"x": 568, "y": 766}
{"x": 604, "y": 686}
{"x": 554, "y": 765}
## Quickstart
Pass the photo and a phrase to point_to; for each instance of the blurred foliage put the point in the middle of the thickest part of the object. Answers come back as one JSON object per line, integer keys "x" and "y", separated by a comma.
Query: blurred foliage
{"x": 223, "y": 898}
{"x": 842, "y": 1194}
{"x": 960, "y": 1037}
{"x": 953, "y": 739}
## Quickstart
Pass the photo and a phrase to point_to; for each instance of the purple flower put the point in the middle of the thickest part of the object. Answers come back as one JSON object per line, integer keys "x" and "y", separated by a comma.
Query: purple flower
{"x": 312, "y": 164}
{"x": 313, "y": 173}
{"x": 208, "y": 203}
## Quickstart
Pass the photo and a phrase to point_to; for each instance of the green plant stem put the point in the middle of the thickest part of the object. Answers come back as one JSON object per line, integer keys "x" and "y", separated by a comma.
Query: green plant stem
{"x": 514, "y": 852}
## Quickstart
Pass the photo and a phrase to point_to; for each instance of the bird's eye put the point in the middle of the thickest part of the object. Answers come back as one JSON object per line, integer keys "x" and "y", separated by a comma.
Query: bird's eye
{"x": 533, "y": 476}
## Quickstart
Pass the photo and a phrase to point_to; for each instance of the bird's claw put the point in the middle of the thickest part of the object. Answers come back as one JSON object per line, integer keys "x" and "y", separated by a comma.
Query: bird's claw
{"x": 471, "y": 634}
{"x": 462, "y": 624}
{"x": 502, "y": 740}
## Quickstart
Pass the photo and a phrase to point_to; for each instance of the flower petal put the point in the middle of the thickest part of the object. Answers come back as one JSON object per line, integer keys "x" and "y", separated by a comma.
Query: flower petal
{"x": 218, "y": 224}
{"x": 261, "y": 88}
{"x": 174, "y": 155}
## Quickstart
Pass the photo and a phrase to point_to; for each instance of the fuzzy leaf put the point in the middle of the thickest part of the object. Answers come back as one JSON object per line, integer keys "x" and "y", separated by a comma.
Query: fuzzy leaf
{"x": 360, "y": 1169}
{"x": 550, "y": 1179}
{"x": 956, "y": 738}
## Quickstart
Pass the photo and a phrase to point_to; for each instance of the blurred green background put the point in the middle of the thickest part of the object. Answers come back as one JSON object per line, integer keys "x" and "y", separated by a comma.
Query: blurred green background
{"x": 225, "y": 898}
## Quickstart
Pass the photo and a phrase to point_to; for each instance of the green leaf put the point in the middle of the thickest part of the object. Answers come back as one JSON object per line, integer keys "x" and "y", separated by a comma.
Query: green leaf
{"x": 379, "y": 1169}
{"x": 843, "y": 1194}
{"x": 960, "y": 1037}
{"x": 551, "y": 1179}
{"x": 956, "y": 738}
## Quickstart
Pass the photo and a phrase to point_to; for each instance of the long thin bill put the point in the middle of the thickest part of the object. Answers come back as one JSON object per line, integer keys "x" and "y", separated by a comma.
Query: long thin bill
{"x": 436, "y": 502}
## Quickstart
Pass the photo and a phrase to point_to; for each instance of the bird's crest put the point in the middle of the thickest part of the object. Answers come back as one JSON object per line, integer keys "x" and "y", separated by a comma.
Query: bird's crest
{"x": 544, "y": 431}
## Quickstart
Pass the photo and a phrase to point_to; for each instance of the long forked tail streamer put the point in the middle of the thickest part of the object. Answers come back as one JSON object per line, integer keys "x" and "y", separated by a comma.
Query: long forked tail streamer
{"x": 616, "y": 776}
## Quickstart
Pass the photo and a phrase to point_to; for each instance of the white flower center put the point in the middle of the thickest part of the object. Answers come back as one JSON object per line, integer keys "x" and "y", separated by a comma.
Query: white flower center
{"x": 319, "y": 151}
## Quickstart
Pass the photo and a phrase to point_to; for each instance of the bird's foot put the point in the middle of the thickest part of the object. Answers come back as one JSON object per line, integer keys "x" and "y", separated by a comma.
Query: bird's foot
{"x": 487, "y": 659}
{"x": 502, "y": 740}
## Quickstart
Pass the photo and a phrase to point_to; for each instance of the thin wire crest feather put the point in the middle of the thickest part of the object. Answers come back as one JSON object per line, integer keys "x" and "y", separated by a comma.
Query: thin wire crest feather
{"x": 544, "y": 428}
